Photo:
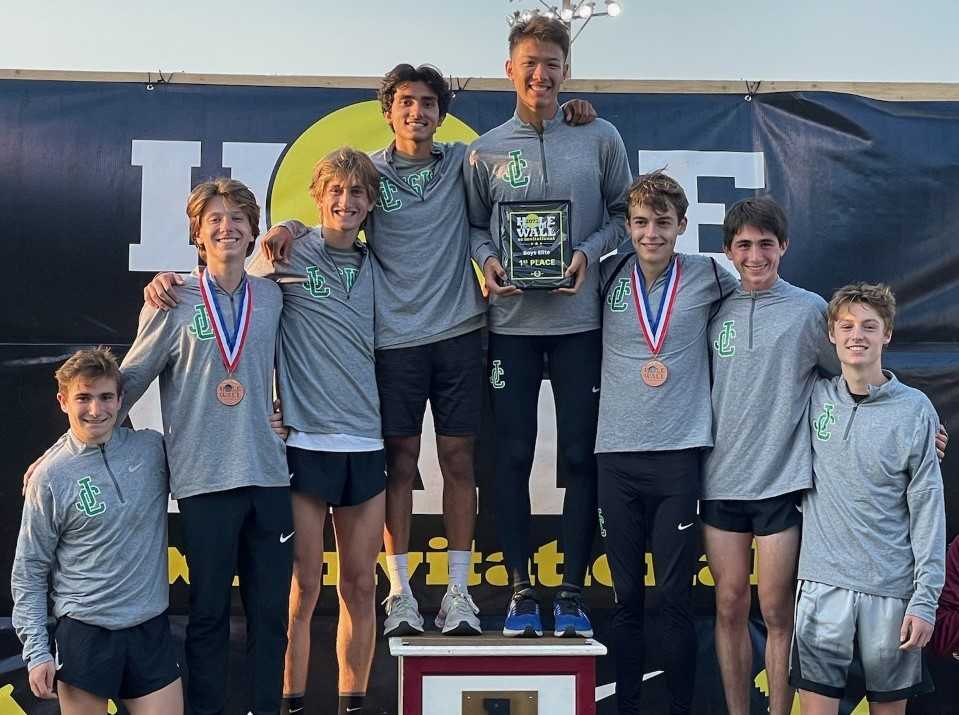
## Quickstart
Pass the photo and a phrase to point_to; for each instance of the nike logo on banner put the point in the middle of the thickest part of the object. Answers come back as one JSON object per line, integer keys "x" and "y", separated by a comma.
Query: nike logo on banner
{"x": 683, "y": 527}
{"x": 595, "y": 390}
{"x": 286, "y": 537}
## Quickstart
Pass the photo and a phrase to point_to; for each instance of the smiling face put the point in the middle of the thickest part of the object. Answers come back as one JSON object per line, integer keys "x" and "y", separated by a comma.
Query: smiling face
{"x": 414, "y": 113}
{"x": 537, "y": 70}
{"x": 756, "y": 253}
{"x": 859, "y": 334}
{"x": 653, "y": 233}
{"x": 344, "y": 203}
{"x": 91, "y": 404}
{"x": 224, "y": 234}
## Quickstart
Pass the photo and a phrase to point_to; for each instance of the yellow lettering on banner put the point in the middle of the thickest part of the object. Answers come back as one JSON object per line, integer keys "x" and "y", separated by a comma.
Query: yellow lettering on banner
{"x": 177, "y": 567}
{"x": 9, "y": 706}
{"x": 438, "y": 563}
{"x": 111, "y": 708}
{"x": 862, "y": 708}
{"x": 600, "y": 572}
{"x": 496, "y": 575}
{"x": 547, "y": 559}
{"x": 705, "y": 576}
{"x": 650, "y": 571}
{"x": 414, "y": 561}
{"x": 332, "y": 571}
{"x": 474, "y": 578}
{"x": 761, "y": 681}
{"x": 754, "y": 574}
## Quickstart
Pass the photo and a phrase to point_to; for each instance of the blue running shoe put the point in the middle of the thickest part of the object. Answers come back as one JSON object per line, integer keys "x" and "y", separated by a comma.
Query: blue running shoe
{"x": 522, "y": 618}
{"x": 570, "y": 616}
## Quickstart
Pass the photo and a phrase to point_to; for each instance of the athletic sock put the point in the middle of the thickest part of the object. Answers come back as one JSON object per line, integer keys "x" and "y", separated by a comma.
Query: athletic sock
{"x": 459, "y": 568}
{"x": 351, "y": 704}
{"x": 398, "y": 570}
{"x": 292, "y": 704}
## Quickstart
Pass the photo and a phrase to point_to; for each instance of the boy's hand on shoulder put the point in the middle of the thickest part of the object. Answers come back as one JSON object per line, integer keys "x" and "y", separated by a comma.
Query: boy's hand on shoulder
{"x": 578, "y": 111}
{"x": 161, "y": 291}
{"x": 942, "y": 439}
{"x": 41, "y": 681}
{"x": 915, "y": 633}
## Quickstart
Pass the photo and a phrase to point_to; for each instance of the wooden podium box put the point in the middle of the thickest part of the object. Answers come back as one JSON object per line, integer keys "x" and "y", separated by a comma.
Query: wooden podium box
{"x": 494, "y": 675}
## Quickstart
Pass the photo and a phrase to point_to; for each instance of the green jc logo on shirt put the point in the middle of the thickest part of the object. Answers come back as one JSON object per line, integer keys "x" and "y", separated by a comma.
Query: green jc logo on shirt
{"x": 387, "y": 199}
{"x": 88, "y": 503}
{"x": 515, "y": 170}
{"x": 315, "y": 283}
{"x": 200, "y": 327}
{"x": 496, "y": 375}
{"x": 724, "y": 342}
{"x": 617, "y": 298}
{"x": 823, "y": 420}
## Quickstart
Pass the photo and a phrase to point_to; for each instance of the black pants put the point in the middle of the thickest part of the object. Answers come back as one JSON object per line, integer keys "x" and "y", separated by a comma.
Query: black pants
{"x": 651, "y": 496}
{"x": 516, "y": 373}
{"x": 247, "y": 532}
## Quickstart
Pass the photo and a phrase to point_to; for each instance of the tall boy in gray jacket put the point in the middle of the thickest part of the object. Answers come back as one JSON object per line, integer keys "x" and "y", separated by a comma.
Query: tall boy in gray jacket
{"x": 873, "y": 548}
{"x": 94, "y": 521}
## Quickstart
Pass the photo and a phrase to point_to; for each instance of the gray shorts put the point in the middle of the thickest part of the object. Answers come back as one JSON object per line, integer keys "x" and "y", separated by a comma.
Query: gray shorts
{"x": 834, "y": 626}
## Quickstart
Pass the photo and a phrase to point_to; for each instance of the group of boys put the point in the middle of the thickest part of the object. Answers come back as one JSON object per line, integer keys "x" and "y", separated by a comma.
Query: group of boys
{"x": 654, "y": 357}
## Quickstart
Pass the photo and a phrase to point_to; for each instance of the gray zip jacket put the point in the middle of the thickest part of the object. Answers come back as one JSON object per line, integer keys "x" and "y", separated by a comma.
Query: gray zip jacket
{"x": 426, "y": 288}
{"x": 95, "y": 521}
{"x": 211, "y": 447}
{"x": 585, "y": 164}
{"x": 325, "y": 369}
{"x": 768, "y": 348}
{"x": 634, "y": 417}
{"x": 874, "y": 520}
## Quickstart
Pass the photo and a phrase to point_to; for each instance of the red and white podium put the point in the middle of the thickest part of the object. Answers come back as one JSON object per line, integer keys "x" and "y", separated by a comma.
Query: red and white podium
{"x": 493, "y": 675}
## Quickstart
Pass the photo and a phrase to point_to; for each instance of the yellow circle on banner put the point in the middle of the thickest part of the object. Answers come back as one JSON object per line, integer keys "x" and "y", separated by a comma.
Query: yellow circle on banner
{"x": 360, "y": 126}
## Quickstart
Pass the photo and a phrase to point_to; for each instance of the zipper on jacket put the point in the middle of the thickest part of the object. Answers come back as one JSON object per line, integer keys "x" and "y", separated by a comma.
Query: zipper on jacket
{"x": 849, "y": 423}
{"x": 752, "y": 309}
{"x": 116, "y": 484}
{"x": 542, "y": 156}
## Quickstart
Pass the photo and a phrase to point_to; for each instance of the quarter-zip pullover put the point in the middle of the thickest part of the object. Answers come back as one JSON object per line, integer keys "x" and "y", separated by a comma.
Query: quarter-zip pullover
{"x": 212, "y": 447}
{"x": 634, "y": 417}
{"x": 874, "y": 520}
{"x": 585, "y": 164}
{"x": 94, "y": 520}
{"x": 325, "y": 368}
{"x": 768, "y": 348}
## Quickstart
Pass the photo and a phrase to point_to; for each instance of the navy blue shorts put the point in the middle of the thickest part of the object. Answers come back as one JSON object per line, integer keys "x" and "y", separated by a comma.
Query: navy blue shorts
{"x": 761, "y": 517}
{"x": 338, "y": 478}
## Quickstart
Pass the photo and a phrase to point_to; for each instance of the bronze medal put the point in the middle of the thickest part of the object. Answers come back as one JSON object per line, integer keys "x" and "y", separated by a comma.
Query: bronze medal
{"x": 230, "y": 392}
{"x": 654, "y": 373}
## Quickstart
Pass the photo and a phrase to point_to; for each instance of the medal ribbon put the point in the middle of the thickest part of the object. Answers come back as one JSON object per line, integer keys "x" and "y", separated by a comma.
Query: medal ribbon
{"x": 230, "y": 345}
{"x": 655, "y": 330}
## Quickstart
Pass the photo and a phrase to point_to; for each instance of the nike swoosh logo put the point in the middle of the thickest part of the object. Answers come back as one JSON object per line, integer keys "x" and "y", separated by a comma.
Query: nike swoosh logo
{"x": 683, "y": 527}
{"x": 135, "y": 468}
{"x": 295, "y": 710}
{"x": 291, "y": 476}
{"x": 595, "y": 390}
{"x": 353, "y": 710}
{"x": 56, "y": 656}
{"x": 286, "y": 537}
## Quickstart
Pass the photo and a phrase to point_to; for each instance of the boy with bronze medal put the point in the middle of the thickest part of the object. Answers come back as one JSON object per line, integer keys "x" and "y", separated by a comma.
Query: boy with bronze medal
{"x": 227, "y": 468}
{"x": 654, "y": 420}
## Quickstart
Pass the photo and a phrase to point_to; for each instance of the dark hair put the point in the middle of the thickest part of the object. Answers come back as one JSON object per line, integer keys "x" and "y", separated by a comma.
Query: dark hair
{"x": 543, "y": 29}
{"x": 659, "y": 192}
{"x": 762, "y": 212}
{"x": 403, "y": 73}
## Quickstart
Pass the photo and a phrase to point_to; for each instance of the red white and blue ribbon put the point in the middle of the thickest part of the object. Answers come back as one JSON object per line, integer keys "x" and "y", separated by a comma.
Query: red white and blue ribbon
{"x": 231, "y": 346}
{"x": 655, "y": 328}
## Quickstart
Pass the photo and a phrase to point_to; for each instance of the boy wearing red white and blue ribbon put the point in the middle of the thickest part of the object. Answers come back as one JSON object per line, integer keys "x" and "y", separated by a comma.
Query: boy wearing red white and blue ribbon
{"x": 214, "y": 355}
{"x": 654, "y": 420}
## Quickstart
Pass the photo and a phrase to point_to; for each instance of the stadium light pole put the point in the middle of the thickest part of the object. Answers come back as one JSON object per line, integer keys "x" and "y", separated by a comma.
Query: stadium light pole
{"x": 569, "y": 12}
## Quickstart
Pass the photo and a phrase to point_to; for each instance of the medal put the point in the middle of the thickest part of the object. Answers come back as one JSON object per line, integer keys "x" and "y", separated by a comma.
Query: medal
{"x": 654, "y": 372}
{"x": 229, "y": 391}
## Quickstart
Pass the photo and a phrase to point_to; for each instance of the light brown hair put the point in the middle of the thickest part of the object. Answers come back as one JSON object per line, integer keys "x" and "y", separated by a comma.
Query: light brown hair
{"x": 235, "y": 193}
{"x": 91, "y": 363}
{"x": 542, "y": 29}
{"x": 657, "y": 191}
{"x": 877, "y": 296}
{"x": 345, "y": 162}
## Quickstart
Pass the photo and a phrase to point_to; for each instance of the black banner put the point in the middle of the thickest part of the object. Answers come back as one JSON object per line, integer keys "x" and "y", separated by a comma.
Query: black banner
{"x": 93, "y": 182}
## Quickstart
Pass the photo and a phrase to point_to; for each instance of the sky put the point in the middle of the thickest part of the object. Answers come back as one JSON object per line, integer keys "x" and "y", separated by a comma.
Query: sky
{"x": 788, "y": 40}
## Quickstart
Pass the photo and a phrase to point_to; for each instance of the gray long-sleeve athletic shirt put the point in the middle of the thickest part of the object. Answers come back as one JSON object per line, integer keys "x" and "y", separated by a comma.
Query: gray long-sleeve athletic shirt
{"x": 768, "y": 348}
{"x": 634, "y": 417}
{"x": 419, "y": 232}
{"x": 325, "y": 368}
{"x": 211, "y": 447}
{"x": 585, "y": 164}
{"x": 95, "y": 522}
{"x": 874, "y": 520}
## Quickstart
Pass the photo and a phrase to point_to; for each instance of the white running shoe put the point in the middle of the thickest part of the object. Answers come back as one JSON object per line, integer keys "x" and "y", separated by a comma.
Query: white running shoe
{"x": 402, "y": 616}
{"x": 458, "y": 614}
